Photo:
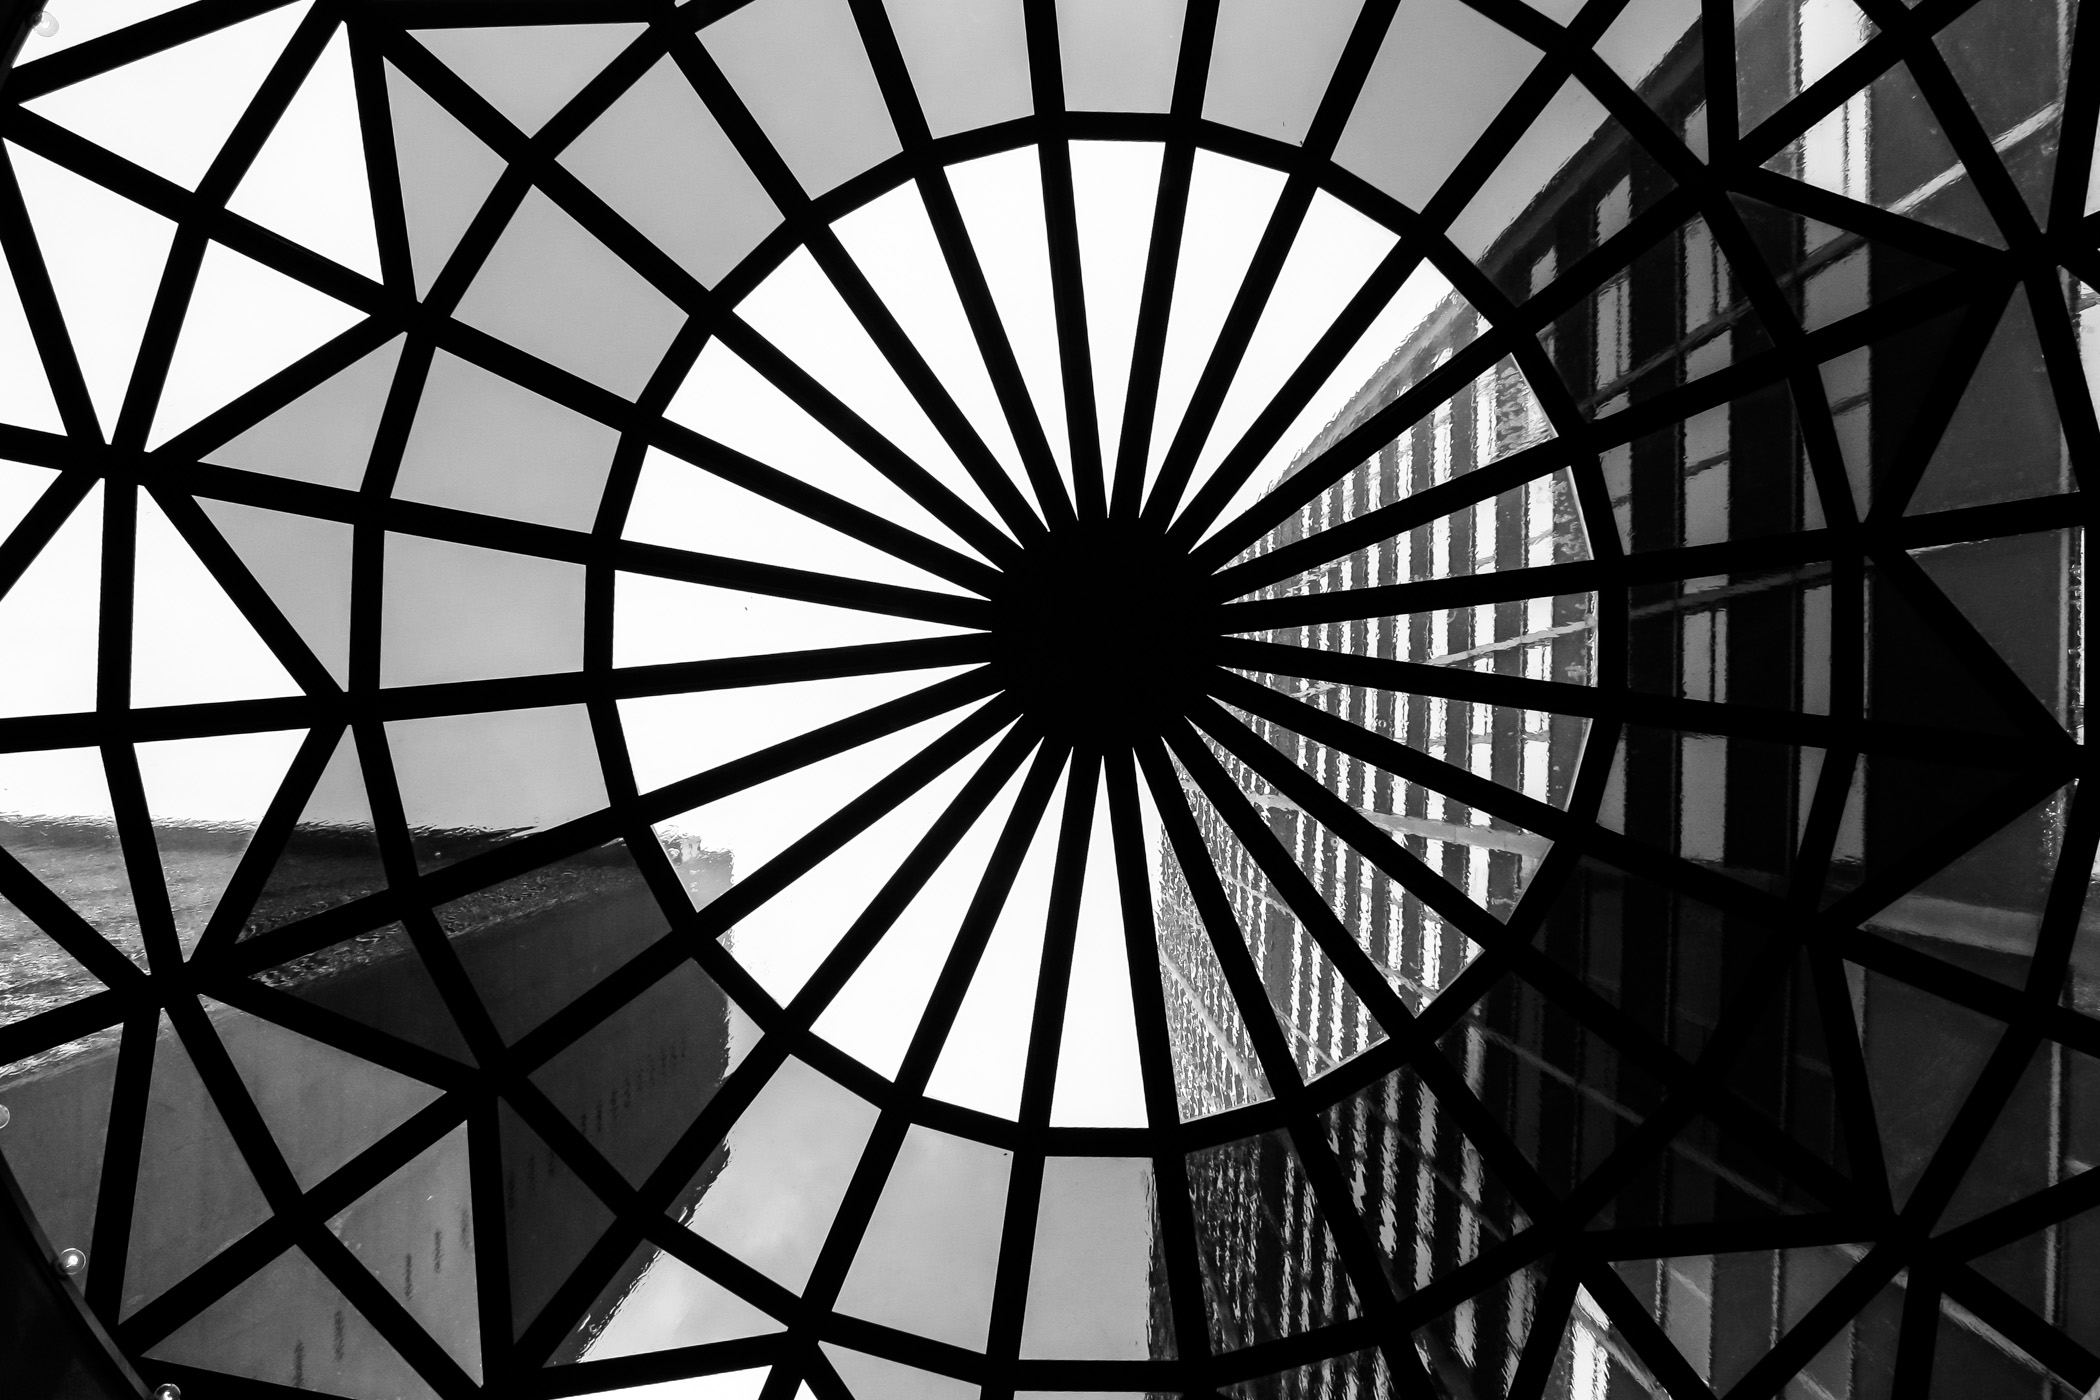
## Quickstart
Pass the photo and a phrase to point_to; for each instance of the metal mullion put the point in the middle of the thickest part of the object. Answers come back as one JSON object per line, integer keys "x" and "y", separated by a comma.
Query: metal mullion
{"x": 1422, "y": 595}
{"x": 896, "y": 346}
{"x": 122, "y": 1145}
{"x": 282, "y": 389}
{"x": 49, "y": 1029}
{"x": 585, "y": 1378}
{"x": 909, "y": 121}
{"x": 268, "y": 842}
{"x": 1879, "y": 952}
{"x": 2011, "y": 1319}
{"x": 66, "y": 927}
{"x": 1024, "y": 1191}
{"x": 1961, "y": 126}
{"x": 381, "y": 163}
{"x": 1868, "y": 223}
{"x": 1929, "y": 422}
{"x": 42, "y": 521}
{"x": 130, "y": 44}
{"x": 1162, "y": 263}
{"x": 24, "y": 257}
{"x": 1761, "y": 723}
{"x": 1156, "y": 1063}
{"x": 2064, "y": 1200}
{"x": 1067, "y": 284}
{"x": 1245, "y": 456}
{"x": 1547, "y": 1327}
{"x": 257, "y": 605}
{"x": 1648, "y": 1339}
{"x": 531, "y": 162}
{"x": 333, "y": 1028}
{"x": 1228, "y": 352}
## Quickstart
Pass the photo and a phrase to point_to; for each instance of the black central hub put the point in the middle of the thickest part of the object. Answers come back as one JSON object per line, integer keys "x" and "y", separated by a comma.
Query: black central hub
{"x": 1101, "y": 629}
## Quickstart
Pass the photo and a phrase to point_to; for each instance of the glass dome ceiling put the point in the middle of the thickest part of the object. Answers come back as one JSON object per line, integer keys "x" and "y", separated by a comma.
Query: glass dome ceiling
{"x": 877, "y": 698}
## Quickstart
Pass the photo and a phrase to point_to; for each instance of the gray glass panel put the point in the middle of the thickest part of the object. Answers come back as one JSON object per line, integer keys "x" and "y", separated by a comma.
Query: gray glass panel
{"x": 968, "y": 60}
{"x": 1119, "y": 55}
{"x": 468, "y": 779}
{"x": 456, "y": 612}
{"x": 661, "y": 160}
{"x": 1090, "y": 1283}
{"x": 1270, "y": 62}
{"x": 482, "y": 443}
{"x": 446, "y": 173}
{"x": 800, "y": 68}
{"x": 529, "y": 71}
{"x": 325, "y": 435}
{"x": 416, "y": 1234}
{"x": 931, "y": 1252}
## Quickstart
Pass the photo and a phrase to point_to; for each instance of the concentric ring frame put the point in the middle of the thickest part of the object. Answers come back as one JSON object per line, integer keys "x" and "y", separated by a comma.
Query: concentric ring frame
{"x": 1549, "y": 1226}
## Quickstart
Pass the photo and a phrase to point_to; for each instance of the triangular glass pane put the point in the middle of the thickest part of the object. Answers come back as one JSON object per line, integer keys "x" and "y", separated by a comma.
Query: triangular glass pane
{"x": 1441, "y": 75}
{"x": 529, "y": 72}
{"x": 634, "y": 1082}
{"x": 876, "y": 1014}
{"x": 1923, "y": 1054}
{"x": 332, "y": 855}
{"x": 206, "y": 797}
{"x": 800, "y": 68}
{"x": 458, "y": 612}
{"x": 190, "y": 643}
{"x": 287, "y": 1073}
{"x": 552, "y": 1219}
{"x": 929, "y": 1259}
{"x": 29, "y": 402}
{"x": 661, "y": 160}
{"x": 415, "y": 1232}
{"x": 657, "y": 1302}
{"x": 878, "y": 1378}
{"x": 56, "y": 818}
{"x": 446, "y": 174}
{"x": 465, "y": 789}
{"x": 303, "y": 563}
{"x": 803, "y": 315}
{"x": 1996, "y": 583}
{"x": 378, "y": 980}
{"x": 289, "y": 1325}
{"x": 986, "y": 1051}
{"x": 1983, "y": 910}
{"x": 308, "y": 182}
{"x": 892, "y": 241}
{"x": 2004, "y": 442}
{"x": 171, "y": 111}
{"x": 768, "y": 1193}
{"x": 1090, "y": 1282}
{"x": 105, "y": 255}
{"x": 1257, "y": 1223}
{"x": 245, "y": 323}
{"x": 1098, "y": 1084}
{"x": 325, "y": 435}
{"x": 553, "y": 290}
{"x": 51, "y": 613}
{"x": 2004, "y": 57}
{"x": 196, "y": 1194}
{"x": 58, "y": 1103}
{"x": 484, "y": 444}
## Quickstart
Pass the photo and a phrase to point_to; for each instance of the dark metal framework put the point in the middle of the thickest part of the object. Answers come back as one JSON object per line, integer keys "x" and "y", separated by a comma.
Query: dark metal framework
{"x": 1160, "y": 615}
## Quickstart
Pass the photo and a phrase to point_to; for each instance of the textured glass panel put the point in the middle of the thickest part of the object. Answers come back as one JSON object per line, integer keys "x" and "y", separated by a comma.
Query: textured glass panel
{"x": 1090, "y": 1285}
{"x": 416, "y": 1234}
{"x": 1269, "y": 1261}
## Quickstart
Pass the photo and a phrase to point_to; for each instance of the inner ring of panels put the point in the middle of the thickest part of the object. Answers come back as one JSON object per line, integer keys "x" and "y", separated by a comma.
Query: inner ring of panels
{"x": 572, "y": 826}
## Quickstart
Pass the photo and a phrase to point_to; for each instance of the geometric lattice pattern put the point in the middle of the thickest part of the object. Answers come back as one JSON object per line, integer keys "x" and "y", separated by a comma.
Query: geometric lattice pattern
{"x": 868, "y": 698}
